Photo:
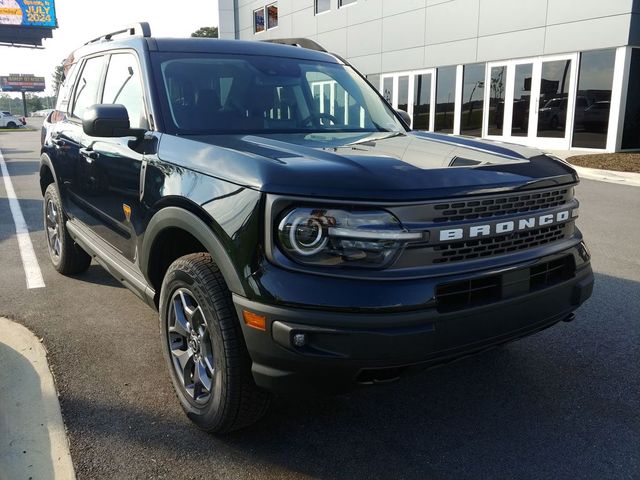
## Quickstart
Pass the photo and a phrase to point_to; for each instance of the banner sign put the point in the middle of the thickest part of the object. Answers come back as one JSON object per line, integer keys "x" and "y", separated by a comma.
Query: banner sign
{"x": 28, "y": 13}
{"x": 22, "y": 83}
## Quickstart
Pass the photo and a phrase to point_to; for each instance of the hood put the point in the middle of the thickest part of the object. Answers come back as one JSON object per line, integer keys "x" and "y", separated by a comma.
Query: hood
{"x": 372, "y": 166}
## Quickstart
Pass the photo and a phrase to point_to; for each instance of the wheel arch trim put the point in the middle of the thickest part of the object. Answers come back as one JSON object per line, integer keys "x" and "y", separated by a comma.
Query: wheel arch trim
{"x": 176, "y": 217}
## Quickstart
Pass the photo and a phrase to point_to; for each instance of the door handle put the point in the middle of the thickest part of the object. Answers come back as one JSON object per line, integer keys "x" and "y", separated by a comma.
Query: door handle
{"x": 89, "y": 154}
{"x": 58, "y": 142}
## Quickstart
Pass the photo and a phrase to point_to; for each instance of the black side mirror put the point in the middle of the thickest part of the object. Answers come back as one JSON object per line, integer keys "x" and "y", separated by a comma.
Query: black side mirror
{"x": 405, "y": 117}
{"x": 106, "y": 121}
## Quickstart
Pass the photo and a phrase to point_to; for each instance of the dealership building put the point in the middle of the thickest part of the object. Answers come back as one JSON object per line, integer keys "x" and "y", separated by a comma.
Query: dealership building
{"x": 555, "y": 74}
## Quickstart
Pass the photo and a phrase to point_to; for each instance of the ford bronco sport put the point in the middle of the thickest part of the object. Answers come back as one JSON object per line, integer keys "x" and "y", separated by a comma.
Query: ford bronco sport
{"x": 291, "y": 240}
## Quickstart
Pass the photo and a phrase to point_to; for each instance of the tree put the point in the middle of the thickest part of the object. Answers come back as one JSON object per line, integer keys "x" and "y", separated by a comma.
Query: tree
{"x": 58, "y": 78}
{"x": 206, "y": 32}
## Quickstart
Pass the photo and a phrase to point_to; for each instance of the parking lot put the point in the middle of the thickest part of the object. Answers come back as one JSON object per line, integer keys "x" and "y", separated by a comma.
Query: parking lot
{"x": 561, "y": 404}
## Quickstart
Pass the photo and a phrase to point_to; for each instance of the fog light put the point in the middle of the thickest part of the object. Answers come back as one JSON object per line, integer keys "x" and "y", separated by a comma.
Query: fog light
{"x": 299, "y": 340}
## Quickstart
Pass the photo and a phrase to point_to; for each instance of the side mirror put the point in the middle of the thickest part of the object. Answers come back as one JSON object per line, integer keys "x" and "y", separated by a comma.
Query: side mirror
{"x": 405, "y": 117}
{"x": 104, "y": 120}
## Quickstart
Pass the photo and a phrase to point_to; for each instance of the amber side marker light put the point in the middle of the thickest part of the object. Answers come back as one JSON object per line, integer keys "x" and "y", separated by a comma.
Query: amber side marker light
{"x": 254, "y": 320}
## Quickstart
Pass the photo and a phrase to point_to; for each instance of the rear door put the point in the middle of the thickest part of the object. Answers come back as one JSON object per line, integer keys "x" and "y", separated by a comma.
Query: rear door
{"x": 78, "y": 180}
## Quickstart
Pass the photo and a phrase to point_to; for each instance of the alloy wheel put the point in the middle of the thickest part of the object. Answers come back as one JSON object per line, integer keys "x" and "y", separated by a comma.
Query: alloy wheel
{"x": 53, "y": 224}
{"x": 190, "y": 346}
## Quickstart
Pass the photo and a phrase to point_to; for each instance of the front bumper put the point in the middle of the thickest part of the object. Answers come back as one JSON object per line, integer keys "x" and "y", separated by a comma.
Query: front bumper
{"x": 344, "y": 348}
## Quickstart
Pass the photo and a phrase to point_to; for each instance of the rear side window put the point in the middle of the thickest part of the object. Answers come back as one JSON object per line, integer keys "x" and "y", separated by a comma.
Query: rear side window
{"x": 86, "y": 92}
{"x": 123, "y": 86}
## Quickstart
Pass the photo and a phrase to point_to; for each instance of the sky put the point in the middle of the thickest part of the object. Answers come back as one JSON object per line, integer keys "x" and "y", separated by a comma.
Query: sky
{"x": 81, "y": 20}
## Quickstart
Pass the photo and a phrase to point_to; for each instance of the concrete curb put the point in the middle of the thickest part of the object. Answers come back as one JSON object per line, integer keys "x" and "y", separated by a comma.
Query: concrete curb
{"x": 621, "y": 178}
{"x": 33, "y": 441}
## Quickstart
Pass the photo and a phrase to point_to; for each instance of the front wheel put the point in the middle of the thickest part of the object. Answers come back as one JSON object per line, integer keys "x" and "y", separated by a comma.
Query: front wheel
{"x": 202, "y": 342}
{"x": 11, "y": 125}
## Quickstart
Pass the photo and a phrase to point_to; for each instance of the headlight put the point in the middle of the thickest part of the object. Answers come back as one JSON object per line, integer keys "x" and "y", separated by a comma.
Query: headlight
{"x": 331, "y": 237}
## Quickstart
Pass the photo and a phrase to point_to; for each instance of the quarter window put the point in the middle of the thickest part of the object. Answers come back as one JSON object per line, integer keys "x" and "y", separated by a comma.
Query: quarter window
{"x": 323, "y": 6}
{"x": 123, "y": 86}
{"x": 86, "y": 92}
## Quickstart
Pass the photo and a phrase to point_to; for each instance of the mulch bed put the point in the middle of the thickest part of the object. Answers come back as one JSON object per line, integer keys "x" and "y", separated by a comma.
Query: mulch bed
{"x": 620, "y": 162}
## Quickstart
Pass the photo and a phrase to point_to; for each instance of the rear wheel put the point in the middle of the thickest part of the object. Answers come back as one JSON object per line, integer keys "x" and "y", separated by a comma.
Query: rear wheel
{"x": 11, "y": 125}
{"x": 66, "y": 256}
{"x": 202, "y": 341}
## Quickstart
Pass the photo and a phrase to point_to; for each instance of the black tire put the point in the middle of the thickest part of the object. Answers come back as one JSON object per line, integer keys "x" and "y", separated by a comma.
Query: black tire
{"x": 66, "y": 256}
{"x": 232, "y": 400}
{"x": 11, "y": 125}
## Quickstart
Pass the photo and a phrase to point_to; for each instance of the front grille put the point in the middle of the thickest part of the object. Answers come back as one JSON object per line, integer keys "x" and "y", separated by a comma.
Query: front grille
{"x": 501, "y": 205}
{"x": 489, "y": 289}
{"x": 488, "y": 247}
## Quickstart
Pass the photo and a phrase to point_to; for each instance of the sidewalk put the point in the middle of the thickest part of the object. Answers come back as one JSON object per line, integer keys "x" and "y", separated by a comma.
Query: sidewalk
{"x": 33, "y": 443}
{"x": 610, "y": 176}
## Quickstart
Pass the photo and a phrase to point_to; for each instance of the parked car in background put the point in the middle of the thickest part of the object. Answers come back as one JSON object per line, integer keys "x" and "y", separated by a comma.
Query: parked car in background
{"x": 8, "y": 120}
{"x": 42, "y": 113}
{"x": 596, "y": 117}
{"x": 554, "y": 112}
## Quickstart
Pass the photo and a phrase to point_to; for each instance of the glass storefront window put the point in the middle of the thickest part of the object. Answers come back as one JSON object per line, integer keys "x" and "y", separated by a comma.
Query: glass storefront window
{"x": 258, "y": 20}
{"x": 272, "y": 15}
{"x": 445, "y": 99}
{"x": 323, "y": 5}
{"x": 498, "y": 83}
{"x": 595, "y": 81}
{"x": 472, "y": 100}
{"x": 521, "y": 100}
{"x": 631, "y": 131}
{"x": 344, "y": 3}
{"x": 403, "y": 93}
{"x": 554, "y": 93}
{"x": 387, "y": 89}
{"x": 421, "y": 101}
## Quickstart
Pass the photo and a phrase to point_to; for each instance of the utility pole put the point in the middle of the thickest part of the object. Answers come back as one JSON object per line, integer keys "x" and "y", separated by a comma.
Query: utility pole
{"x": 24, "y": 105}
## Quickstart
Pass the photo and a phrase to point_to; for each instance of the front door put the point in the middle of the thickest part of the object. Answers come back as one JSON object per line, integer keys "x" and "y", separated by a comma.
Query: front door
{"x": 119, "y": 161}
{"x": 412, "y": 92}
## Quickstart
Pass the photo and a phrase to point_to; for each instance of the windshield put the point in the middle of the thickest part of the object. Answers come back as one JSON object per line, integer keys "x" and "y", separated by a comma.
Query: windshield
{"x": 228, "y": 94}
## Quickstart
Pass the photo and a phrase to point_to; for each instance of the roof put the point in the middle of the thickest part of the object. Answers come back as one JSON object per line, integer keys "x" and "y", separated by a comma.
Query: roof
{"x": 206, "y": 45}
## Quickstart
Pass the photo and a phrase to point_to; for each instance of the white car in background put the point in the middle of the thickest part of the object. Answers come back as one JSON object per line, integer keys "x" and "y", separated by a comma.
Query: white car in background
{"x": 7, "y": 120}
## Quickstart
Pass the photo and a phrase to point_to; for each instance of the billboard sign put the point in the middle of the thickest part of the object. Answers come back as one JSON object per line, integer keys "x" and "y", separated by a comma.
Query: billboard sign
{"x": 28, "y": 13}
{"x": 18, "y": 82}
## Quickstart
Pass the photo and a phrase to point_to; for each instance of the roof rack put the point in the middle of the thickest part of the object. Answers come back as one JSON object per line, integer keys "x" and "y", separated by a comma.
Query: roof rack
{"x": 299, "y": 42}
{"x": 142, "y": 29}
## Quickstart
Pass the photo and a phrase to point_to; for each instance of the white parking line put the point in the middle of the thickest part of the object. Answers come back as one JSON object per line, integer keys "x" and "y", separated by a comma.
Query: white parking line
{"x": 29, "y": 260}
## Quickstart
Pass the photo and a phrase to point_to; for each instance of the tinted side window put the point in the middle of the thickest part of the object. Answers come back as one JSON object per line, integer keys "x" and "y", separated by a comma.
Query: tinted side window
{"x": 123, "y": 86}
{"x": 87, "y": 87}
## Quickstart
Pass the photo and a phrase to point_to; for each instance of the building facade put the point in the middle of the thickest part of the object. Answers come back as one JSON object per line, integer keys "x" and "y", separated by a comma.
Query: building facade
{"x": 555, "y": 74}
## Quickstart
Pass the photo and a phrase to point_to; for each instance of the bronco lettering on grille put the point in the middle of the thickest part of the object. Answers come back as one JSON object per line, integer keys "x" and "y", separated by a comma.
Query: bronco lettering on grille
{"x": 504, "y": 227}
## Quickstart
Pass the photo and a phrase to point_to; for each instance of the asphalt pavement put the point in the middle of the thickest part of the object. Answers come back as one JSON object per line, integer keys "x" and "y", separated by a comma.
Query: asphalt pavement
{"x": 562, "y": 404}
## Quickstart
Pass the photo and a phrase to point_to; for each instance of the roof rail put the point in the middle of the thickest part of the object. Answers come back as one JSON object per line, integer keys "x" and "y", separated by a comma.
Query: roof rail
{"x": 141, "y": 29}
{"x": 299, "y": 42}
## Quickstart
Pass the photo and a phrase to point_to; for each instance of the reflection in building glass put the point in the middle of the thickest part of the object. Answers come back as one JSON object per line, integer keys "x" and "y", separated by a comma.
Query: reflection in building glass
{"x": 421, "y": 101}
{"x": 387, "y": 89}
{"x": 403, "y": 93}
{"x": 258, "y": 20}
{"x": 595, "y": 80}
{"x": 521, "y": 100}
{"x": 472, "y": 100}
{"x": 630, "y": 134}
{"x": 498, "y": 81}
{"x": 445, "y": 99}
{"x": 554, "y": 91}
